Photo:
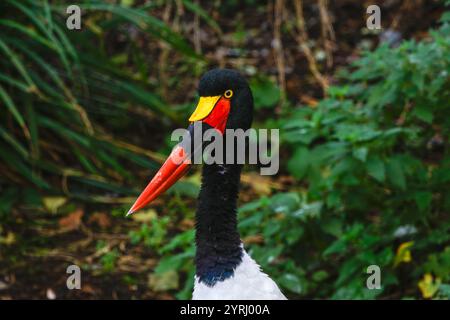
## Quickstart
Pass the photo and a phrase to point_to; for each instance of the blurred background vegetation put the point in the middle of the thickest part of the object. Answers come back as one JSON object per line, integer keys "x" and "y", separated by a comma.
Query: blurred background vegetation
{"x": 365, "y": 165}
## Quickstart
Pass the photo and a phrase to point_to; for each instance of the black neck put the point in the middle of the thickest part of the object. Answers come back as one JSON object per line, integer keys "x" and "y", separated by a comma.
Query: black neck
{"x": 218, "y": 242}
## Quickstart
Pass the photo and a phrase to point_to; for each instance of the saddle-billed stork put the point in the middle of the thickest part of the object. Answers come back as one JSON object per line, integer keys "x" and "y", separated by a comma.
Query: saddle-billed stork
{"x": 224, "y": 270}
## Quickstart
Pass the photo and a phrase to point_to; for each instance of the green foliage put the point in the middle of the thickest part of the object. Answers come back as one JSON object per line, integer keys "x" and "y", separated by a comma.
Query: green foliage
{"x": 109, "y": 258}
{"x": 178, "y": 255}
{"x": 374, "y": 157}
{"x": 152, "y": 236}
{"x": 265, "y": 93}
{"x": 64, "y": 99}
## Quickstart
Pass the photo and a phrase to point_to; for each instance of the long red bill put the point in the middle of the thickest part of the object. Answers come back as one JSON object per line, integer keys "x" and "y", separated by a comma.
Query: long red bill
{"x": 176, "y": 166}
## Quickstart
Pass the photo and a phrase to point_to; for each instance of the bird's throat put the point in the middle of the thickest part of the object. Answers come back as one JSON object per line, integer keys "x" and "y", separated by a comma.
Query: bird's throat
{"x": 219, "y": 249}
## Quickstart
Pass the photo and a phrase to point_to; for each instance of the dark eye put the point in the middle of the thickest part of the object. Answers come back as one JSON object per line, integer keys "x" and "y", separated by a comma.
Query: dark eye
{"x": 228, "y": 94}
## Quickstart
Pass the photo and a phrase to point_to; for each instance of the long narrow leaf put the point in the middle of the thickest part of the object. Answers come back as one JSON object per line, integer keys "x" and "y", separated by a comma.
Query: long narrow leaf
{"x": 16, "y": 62}
{"x": 13, "y": 109}
{"x": 146, "y": 22}
{"x": 203, "y": 14}
{"x": 14, "y": 82}
{"x": 33, "y": 126}
{"x": 27, "y": 31}
{"x": 13, "y": 142}
{"x": 19, "y": 166}
{"x": 33, "y": 16}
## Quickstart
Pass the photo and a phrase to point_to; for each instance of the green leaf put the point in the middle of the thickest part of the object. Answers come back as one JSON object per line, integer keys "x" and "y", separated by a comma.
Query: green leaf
{"x": 146, "y": 22}
{"x": 291, "y": 282}
{"x": 203, "y": 14}
{"x": 185, "y": 188}
{"x": 285, "y": 202}
{"x": 29, "y": 32}
{"x": 299, "y": 163}
{"x": 36, "y": 19}
{"x": 12, "y": 107}
{"x": 22, "y": 168}
{"x": 251, "y": 206}
{"x": 13, "y": 142}
{"x": 266, "y": 94}
{"x": 361, "y": 153}
{"x": 15, "y": 60}
{"x": 160, "y": 282}
{"x": 14, "y": 82}
{"x": 395, "y": 173}
{"x": 423, "y": 113}
{"x": 320, "y": 275}
{"x": 181, "y": 240}
{"x": 444, "y": 289}
{"x": 52, "y": 204}
{"x": 338, "y": 246}
{"x": 423, "y": 200}
{"x": 333, "y": 227}
{"x": 174, "y": 262}
{"x": 375, "y": 168}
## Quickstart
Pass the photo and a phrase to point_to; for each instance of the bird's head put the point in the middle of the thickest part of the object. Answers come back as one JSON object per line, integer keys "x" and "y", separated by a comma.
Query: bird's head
{"x": 225, "y": 102}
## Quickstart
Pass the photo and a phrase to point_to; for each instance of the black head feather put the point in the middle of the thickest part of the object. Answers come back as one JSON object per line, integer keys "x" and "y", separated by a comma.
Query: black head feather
{"x": 215, "y": 82}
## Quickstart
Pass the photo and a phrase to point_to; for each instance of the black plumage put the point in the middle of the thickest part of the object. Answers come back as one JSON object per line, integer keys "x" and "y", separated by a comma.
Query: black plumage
{"x": 218, "y": 242}
{"x": 215, "y": 82}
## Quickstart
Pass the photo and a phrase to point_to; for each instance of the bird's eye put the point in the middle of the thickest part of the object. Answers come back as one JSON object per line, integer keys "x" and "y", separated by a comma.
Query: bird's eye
{"x": 228, "y": 94}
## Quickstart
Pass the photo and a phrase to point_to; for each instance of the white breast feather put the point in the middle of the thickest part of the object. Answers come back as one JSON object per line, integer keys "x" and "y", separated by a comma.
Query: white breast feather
{"x": 247, "y": 283}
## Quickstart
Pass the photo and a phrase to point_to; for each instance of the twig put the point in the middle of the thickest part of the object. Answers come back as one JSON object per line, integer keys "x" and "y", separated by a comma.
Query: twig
{"x": 406, "y": 6}
{"x": 56, "y": 254}
{"x": 302, "y": 40}
{"x": 327, "y": 31}
{"x": 163, "y": 56}
{"x": 278, "y": 48}
{"x": 197, "y": 40}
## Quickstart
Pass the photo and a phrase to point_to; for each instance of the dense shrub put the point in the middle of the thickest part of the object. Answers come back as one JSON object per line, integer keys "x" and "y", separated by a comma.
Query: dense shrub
{"x": 69, "y": 97}
{"x": 373, "y": 172}
{"x": 374, "y": 162}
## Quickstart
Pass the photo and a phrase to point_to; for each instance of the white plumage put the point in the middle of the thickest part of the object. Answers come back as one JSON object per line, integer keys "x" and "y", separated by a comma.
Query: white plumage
{"x": 247, "y": 283}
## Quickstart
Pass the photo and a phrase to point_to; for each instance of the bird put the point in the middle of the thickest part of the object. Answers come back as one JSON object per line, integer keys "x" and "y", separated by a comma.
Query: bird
{"x": 224, "y": 269}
